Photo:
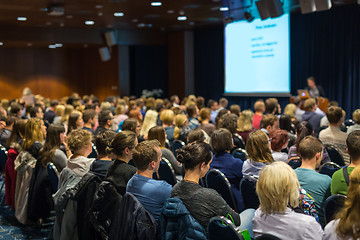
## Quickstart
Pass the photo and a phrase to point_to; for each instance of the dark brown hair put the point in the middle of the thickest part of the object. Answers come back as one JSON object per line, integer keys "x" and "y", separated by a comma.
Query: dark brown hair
{"x": 193, "y": 154}
{"x": 309, "y": 147}
{"x": 52, "y": 142}
{"x": 157, "y": 133}
{"x": 122, "y": 140}
{"x": 353, "y": 144}
{"x": 221, "y": 140}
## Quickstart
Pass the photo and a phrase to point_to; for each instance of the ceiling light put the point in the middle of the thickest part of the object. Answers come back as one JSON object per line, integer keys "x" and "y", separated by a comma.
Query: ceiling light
{"x": 1, "y": 43}
{"x": 224, "y": 9}
{"x": 21, "y": 18}
{"x": 89, "y": 22}
{"x": 182, "y": 18}
{"x": 98, "y": 6}
{"x": 156, "y": 4}
{"x": 69, "y": 16}
{"x": 100, "y": 14}
{"x": 29, "y": 44}
{"x": 170, "y": 11}
{"x": 118, "y": 14}
{"x": 58, "y": 45}
{"x": 135, "y": 20}
{"x": 52, "y": 46}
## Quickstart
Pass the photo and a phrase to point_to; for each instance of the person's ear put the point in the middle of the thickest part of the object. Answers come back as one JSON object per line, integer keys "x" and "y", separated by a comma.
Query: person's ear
{"x": 347, "y": 150}
{"x": 202, "y": 166}
{"x": 126, "y": 150}
{"x": 152, "y": 165}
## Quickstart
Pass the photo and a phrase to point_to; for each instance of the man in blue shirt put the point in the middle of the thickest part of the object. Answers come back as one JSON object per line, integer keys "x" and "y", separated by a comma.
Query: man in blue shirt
{"x": 151, "y": 193}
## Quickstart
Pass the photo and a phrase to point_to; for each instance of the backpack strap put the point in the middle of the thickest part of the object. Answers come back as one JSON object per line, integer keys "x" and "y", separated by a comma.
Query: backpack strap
{"x": 346, "y": 175}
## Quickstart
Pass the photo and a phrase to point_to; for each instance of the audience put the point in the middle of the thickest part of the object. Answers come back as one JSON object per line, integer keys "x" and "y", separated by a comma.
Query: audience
{"x": 89, "y": 117}
{"x": 105, "y": 119}
{"x": 149, "y": 122}
{"x": 311, "y": 116}
{"x": 356, "y": 118}
{"x": 181, "y": 130}
{"x": 244, "y": 125}
{"x": 204, "y": 119}
{"x": 75, "y": 121}
{"x": 269, "y": 123}
{"x": 259, "y": 108}
{"x": 6, "y": 131}
{"x": 279, "y": 141}
{"x": 167, "y": 117}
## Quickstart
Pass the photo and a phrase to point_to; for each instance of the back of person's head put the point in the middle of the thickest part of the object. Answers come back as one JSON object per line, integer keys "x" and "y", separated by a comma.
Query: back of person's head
{"x": 129, "y": 124}
{"x": 349, "y": 216}
{"x": 356, "y": 116}
{"x": 73, "y": 118}
{"x": 309, "y": 104}
{"x": 18, "y": 132}
{"x": 271, "y": 105}
{"x": 245, "y": 121}
{"x": 219, "y": 119}
{"x": 193, "y": 154}
{"x": 268, "y": 120}
{"x": 229, "y": 121}
{"x": 334, "y": 114}
{"x": 15, "y": 108}
{"x": 333, "y": 104}
{"x": 52, "y": 142}
{"x": 302, "y": 129}
{"x": 200, "y": 102}
{"x": 223, "y": 102}
{"x": 290, "y": 110}
{"x": 10, "y": 120}
{"x": 210, "y": 103}
{"x": 33, "y": 111}
{"x": 144, "y": 153}
{"x": 296, "y": 100}
{"x": 277, "y": 188}
{"x": 167, "y": 116}
{"x": 33, "y": 132}
{"x": 157, "y": 133}
{"x": 259, "y": 106}
{"x": 279, "y": 139}
{"x": 54, "y": 103}
{"x": 196, "y": 135}
{"x": 59, "y": 110}
{"x": 221, "y": 140}
{"x": 205, "y": 113}
{"x": 89, "y": 114}
{"x": 78, "y": 139}
{"x": 174, "y": 98}
{"x": 180, "y": 121}
{"x": 353, "y": 145}
{"x": 191, "y": 110}
{"x": 121, "y": 141}
{"x": 103, "y": 117}
{"x": 149, "y": 122}
{"x": 103, "y": 140}
{"x": 235, "y": 108}
{"x": 285, "y": 123}
{"x": 257, "y": 147}
{"x": 309, "y": 147}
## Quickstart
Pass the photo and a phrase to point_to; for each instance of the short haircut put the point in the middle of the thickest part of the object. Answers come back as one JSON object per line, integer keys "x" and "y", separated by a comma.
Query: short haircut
{"x": 334, "y": 114}
{"x": 235, "y": 109}
{"x": 54, "y": 103}
{"x": 309, "y": 104}
{"x": 173, "y": 98}
{"x": 271, "y": 104}
{"x": 191, "y": 110}
{"x": 210, "y": 103}
{"x": 167, "y": 116}
{"x": 78, "y": 138}
{"x": 15, "y": 108}
{"x": 229, "y": 121}
{"x": 312, "y": 79}
{"x": 33, "y": 111}
{"x": 103, "y": 117}
{"x": 196, "y": 135}
{"x": 278, "y": 139}
{"x": 309, "y": 147}
{"x": 223, "y": 102}
{"x": 259, "y": 105}
{"x": 88, "y": 114}
{"x": 257, "y": 147}
{"x": 353, "y": 144}
{"x": 129, "y": 124}
{"x": 205, "y": 113}
{"x": 144, "y": 153}
{"x": 356, "y": 116}
{"x": 277, "y": 188}
{"x": 193, "y": 154}
{"x": 268, "y": 120}
{"x": 221, "y": 140}
{"x": 103, "y": 140}
{"x": 122, "y": 140}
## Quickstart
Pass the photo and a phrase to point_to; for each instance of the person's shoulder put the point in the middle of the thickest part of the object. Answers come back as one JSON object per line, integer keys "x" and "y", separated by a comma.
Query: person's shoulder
{"x": 337, "y": 174}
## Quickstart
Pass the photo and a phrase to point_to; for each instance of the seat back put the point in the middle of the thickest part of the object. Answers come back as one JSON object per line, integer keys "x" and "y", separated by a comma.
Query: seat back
{"x": 3, "y": 157}
{"x": 332, "y": 205}
{"x": 335, "y": 155}
{"x": 54, "y": 176}
{"x": 239, "y": 153}
{"x": 248, "y": 192}
{"x": 94, "y": 152}
{"x": 267, "y": 237}
{"x": 241, "y": 141}
{"x": 216, "y": 180}
{"x": 220, "y": 228}
{"x": 329, "y": 168}
{"x": 294, "y": 162}
{"x": 176, "y": 144}
{"x": 166, "y": 172}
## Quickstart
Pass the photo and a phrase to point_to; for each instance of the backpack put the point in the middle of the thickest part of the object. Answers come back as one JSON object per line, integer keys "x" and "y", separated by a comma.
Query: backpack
{"x": 307, "y": 204}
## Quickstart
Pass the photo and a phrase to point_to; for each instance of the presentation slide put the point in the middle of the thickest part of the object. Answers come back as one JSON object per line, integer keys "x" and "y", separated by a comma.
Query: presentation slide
{"x": 257, "y": 57}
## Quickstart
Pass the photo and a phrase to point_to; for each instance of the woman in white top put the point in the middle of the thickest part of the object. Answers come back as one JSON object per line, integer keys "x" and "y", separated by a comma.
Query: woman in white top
{"x": 279, "y": 140}
{"x": 347, "y": 222}
{"x": 278, "y": 191}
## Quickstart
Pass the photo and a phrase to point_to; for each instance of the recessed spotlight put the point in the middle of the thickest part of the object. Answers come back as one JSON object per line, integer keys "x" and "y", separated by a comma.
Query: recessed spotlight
{"x": 69, "y": 16}
{"x": 1, "y": 43}
{"x": 52, "y": 46}
{"x": 100, "y": 14}
{"x": 29, "y": 44}
{"x": 89, "y": 22}
{"x": 98, "y": 6}
{"x": 135, "y": 20}
{"x": 182, "y": 18}
{"x": 58, "y": 45}
{"x": 62, "y": 24}
{"x": 118, "y": 14}
{"x": 156, "y": 4}
{"x": 224, "y": 9}
{"x": 170, "y": 11}
{"x": 22, "y": 19}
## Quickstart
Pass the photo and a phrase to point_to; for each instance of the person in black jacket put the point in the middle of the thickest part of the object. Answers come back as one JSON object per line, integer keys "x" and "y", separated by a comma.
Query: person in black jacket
{"x": 314, "y": 90}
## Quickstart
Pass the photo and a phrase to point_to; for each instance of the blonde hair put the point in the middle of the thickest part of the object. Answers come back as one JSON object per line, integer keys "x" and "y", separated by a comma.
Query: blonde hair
{"x": 277, "y": 187}
{"x": 290, "y": 110}
{"x": 245, "y": 121}
{"x": 257, "y": 147}
{"x": 33, "y": 132}
{"x": 105, "y": 106}
{"x": 356, "y": 116}
{"x": 78, "y": 138}
{"x": 349, "y": 215}
{"x": 120, "y": 109}
{"x": 167, "y": 116}
{"x": 59, "y": 110}
{"x": 309, "y": 104}
{"x": 149, "y": 122}
{"x": 68, "y": 110}
{"x": 180, "y": 121}
{"x": 205, "y": 113}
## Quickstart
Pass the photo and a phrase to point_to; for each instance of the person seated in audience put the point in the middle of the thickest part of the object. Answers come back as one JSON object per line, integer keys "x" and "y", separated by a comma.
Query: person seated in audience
{"x": 6, "y": 131}
{"x": 59, "y": 111}
{"x": 219, "y": 119}
{"x": 222, "y": 142}
{"x": 49, "y": 115}
{"x": 119, "y": 171}
{"x": 158, "y": 133}
{"x": 151, "y": 193}
{"x": 315, "y": 184}
{"x": 332, "y": 135}
{"x": 285, "y": 123}
{"x": 229, "y": 122}
{"x": 105, "y": 119}
{"x": 290, "y": 109}
{"x": 311, "y": 116}
{"x": 120, "y": 115}
{"x": 244, "y": 124}
{"x": 193, "y": 111}
{"x": 223, "y": 103}
{"x": 204, "y": 119}
{"x": 101, "y": 164}
{"x": 149, "y": 122}
{"x": 197, "y": 135}
{"x": 339, "y": 184}
{"x": 279, "y": 141}
{"x": 204, "y": 203}
{"x": 278, "y": 191}
{"x": 259, "y": 108}
{"x": 89, "y": 117}
{"x": 269, "y": 123}
{"x": 356, "y": 118}
{"x": 175, "y": 100}
{"x": 235, "y": 109}
{"x": 75, "y": 121}
{"x": 298, "y": 112}
{"x": 259, "y": 152}
{"x": 272, "y": 106}
{"x": 213, "y": 106}
{"x": 36, "y": 112}
{"x": 79, "y": 142}
{"x": 314, "y": 90}
{"x": 181, "y": 130}
{"x": 167, "y": 117}
{"x": 346, "y": 224}
{"x": 324, "y": 122}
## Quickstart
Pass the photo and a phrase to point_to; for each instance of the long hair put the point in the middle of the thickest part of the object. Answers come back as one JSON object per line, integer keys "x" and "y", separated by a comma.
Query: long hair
{"x": 149, "y": 122}
{"x": 180, "y": 121}
{"x": 32, "y": 133}
{"x": 303, "y": 129}
{"x": 74, "y": 116}
{"x": 157, "y": 133}
{"x": 349, "y": 215}
{"x": 257, "y": 147}
{"x": 18, "y": 132}
{"x": 52, "y": 142}
{"x": 245, "y": 121}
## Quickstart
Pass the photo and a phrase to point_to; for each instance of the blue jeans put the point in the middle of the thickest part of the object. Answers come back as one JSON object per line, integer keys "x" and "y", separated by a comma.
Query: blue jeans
{"x": 246, "y": 217}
